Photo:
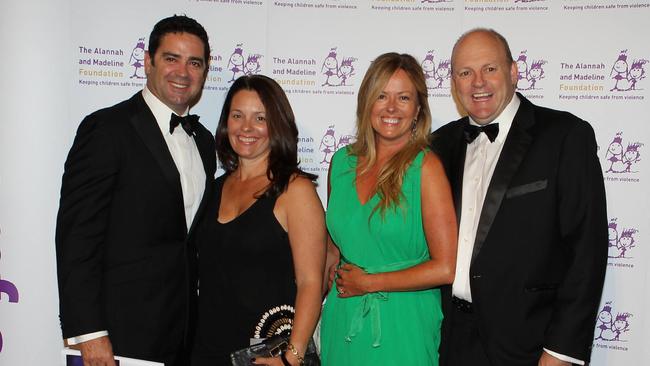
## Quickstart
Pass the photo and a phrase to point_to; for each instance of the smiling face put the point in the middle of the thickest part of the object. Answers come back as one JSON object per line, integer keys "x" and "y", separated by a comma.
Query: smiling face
{"x": 535, "y": 73}
{"x": 615, "y": 148}
{"x": 443, "y": 72}
{"x": 395, "y": 109}
{"x": 328, "y": 141}
{"x": 483, "y": 78}
{"x": 636, "y": 72}
{"x": 247, "y": 128}
{"x": 626, "y": 241}
{"x": 427, "y": 65}
{"x": 251, "y": 66}
{"x": 620, "y": 66}
{"x": 605, "y": 317}
{"x": 331, "y": 63}
{"x": 346, "y": 70}
{"x": 522, "y": 66}
{"x": 631, "y": 155}
{"x": 236, "y": 59}
{"x": 138, "y": 53}
{"x": 176, "y": 72}
{"x": 620, "y": 324}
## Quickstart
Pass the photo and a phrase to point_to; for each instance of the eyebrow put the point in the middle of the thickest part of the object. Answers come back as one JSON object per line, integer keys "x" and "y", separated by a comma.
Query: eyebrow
{"x": 176, "y": 55}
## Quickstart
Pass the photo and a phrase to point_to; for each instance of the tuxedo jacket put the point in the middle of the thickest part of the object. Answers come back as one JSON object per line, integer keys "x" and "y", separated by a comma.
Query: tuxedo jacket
{"x": 540, "y": 253}
{"x": 126, "y": 261}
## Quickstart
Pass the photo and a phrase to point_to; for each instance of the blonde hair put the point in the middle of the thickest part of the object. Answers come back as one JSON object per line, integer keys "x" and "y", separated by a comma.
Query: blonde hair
{"x": 391, "y": 175}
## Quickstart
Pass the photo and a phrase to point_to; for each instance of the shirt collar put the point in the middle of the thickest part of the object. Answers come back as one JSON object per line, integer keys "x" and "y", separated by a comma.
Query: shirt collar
{"x": 504, "y": 119}
{"x": 161, "y": 112}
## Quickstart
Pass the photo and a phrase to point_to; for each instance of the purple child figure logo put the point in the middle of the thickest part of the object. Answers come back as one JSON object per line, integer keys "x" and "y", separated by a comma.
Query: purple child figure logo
{"x": 620, "y": 72}
{"x": 612, "y": 236}
{"x": 614, "y": 155}
{"x": 429, "y": 68}
{"x": 631, "y": 156}
{"x": 329, "y": 145}
{"x": 637, "y": 72}
{"x": 336, "y": 75}
{"x": 620, "y": 245}
{"x": 527, "y": 77}
{"x": 619, "y": 160}
{"x": 346, "y": 70}
{"x": 626, "y": 242}
{"x": 11, "y": 292}
{"x": 522, "y": 71}
{"x": 137, "y": 60}
{"x": 252, "y": 66}
{"x": 236, "y": 63}
{"x": 610, "y": 328}
{"x": 443, "y": 75}
{"x": 330, "y": 66}
{"x": 536, "y": 72}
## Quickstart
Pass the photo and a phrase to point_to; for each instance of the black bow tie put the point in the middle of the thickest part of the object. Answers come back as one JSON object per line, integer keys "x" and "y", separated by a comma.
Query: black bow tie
{"x": 185, "y": 122}
{"x": 471, "y": 132}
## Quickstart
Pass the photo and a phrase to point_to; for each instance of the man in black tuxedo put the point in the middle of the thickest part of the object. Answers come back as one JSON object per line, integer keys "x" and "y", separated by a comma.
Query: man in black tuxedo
{"x": 530, "y": 199}
{"x": 135, "y": 180}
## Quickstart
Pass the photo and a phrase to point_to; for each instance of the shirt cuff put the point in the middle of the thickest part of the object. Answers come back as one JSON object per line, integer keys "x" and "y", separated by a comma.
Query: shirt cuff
{"x": 86, "y": 337}
{"x": 564, "y": 358}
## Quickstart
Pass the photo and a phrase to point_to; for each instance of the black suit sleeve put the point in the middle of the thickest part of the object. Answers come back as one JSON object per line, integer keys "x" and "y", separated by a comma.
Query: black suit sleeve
{"x": 583, "y": 233}
{"x": 87, "y": 188}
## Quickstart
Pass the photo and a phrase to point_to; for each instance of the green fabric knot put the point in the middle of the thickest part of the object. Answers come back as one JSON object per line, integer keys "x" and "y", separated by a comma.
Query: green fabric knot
{"x": 370, "y": 302}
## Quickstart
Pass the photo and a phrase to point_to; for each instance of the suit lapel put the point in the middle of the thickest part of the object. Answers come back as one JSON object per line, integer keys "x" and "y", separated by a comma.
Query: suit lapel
{"x": 208, "y": 157}
{"x": 514, "y": 149}
{"x": 145, "y": 124}
{"x": 458, "y": 166}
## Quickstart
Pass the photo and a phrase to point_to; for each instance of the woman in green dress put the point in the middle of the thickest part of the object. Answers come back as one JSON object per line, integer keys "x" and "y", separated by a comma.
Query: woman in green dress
{"x": 392, "y": 227}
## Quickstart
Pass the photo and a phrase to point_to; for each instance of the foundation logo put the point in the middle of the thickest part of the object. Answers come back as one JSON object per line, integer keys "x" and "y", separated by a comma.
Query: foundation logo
{"x": 529, "y": 74}
{"x": 109, "y": 67}
{"x": 610, "y": 328}
{"x": 621, "y": 240}
{"x": 8, "y": 291}
{"x": 329, "y": 144}
{"x": 239, "y": 65}
{"x": 337, "y": 73}
{"x": 436, "y": 73}
{"x": 626, "y": 76}
{"x": 137, "y": 60}
{"x": 620, "y": 159}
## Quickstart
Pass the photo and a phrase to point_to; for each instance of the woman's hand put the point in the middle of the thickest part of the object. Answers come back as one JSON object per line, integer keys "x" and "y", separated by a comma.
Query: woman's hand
{"x": 277, "y": 361}
{"x": 270, "y": 361}
{"x": 353, "y": 281}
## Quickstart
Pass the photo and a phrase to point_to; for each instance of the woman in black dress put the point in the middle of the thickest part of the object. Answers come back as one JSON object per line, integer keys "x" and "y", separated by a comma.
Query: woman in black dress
{"x": 262, "y": 242}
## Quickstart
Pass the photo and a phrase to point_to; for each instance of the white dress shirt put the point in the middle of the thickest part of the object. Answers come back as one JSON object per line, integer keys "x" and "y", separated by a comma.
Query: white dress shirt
{"x": 188, "y": 161}
{"x": 481, "y": 158}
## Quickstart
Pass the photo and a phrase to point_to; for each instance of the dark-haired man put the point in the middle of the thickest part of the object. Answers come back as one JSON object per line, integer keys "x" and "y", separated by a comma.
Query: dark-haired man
{"x": 530, "y": 199}
{"x": 134, "y": 183}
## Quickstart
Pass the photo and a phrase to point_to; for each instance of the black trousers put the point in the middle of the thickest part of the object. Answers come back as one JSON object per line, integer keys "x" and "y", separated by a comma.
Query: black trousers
{"x": 463, "y": 347}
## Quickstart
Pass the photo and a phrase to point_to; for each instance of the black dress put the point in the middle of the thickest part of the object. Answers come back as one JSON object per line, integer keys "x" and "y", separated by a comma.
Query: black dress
{"x": 246, "y": 280}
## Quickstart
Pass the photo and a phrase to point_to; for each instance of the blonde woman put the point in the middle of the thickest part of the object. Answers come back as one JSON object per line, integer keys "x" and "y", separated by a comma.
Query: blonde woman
{"x": 392, "y": 227}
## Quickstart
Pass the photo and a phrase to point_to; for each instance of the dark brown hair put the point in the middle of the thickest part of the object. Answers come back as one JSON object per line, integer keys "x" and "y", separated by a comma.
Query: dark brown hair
{"x": 283, "y": 133}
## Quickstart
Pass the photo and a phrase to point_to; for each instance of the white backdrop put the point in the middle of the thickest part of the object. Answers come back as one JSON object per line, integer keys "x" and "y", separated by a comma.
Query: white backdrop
{"x": 65, "y": 59}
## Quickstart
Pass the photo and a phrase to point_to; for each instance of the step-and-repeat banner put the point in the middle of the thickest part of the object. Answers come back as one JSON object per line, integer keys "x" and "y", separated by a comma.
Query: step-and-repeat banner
{"x": 588, "y": 57}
